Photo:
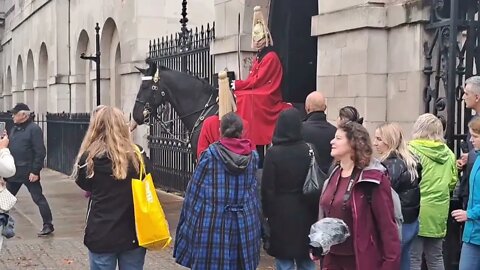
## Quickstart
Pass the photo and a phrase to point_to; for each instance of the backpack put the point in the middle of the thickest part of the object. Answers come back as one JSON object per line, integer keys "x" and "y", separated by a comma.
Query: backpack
{"x": 397, "y": 207}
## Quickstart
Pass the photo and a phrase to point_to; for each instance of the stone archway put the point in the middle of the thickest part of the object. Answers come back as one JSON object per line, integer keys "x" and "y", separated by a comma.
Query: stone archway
{"x": 109, "y": 38}
{"x": 40, "y": 85}
{"x": 17, "y": 93}
{"x": 80, "y": 97}
{"x": 7, "y": 91}
{"x": 116, "y": 84}
{"x": 28, "y": 94}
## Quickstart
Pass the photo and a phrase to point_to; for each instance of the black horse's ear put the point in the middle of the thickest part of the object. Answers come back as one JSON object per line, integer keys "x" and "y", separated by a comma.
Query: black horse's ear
{"x": 152, "y": 69}
{"x": 142, "y": 70}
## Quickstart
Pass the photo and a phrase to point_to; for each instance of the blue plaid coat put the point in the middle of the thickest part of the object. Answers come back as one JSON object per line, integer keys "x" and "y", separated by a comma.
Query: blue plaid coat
{"x": 219, "y": 226}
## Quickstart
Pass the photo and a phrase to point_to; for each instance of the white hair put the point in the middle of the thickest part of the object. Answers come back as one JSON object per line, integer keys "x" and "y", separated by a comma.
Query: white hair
{"x": 24, "y": 112}
{"x": 428, "y": 127}
{"x": 474, "y": 81}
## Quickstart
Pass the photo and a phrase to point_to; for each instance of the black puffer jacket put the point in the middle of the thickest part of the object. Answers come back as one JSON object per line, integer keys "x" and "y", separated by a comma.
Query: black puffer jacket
{"x": 408, "y": 190}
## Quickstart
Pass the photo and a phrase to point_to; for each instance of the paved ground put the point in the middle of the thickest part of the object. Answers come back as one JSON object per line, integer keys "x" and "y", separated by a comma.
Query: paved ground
{"x": 65, "y": 250}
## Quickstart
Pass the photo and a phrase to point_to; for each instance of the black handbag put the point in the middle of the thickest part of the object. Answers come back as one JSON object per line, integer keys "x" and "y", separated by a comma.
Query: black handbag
{"x": 315, "y": 176}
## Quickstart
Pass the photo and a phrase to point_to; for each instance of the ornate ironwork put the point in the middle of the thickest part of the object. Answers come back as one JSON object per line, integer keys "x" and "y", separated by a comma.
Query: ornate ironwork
{"x": 450, "y": 58}
{"x": 188, "y": 51}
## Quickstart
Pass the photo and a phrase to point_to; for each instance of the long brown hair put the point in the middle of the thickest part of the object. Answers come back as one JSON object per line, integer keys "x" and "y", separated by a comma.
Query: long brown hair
{"x": 108, "y": 135}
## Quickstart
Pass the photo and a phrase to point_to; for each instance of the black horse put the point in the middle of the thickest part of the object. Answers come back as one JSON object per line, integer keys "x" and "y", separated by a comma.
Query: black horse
{"x": 192, "y": 98}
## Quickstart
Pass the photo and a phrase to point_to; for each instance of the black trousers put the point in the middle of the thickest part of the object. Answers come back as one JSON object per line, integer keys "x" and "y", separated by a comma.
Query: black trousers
{"x": 38, "y": 198}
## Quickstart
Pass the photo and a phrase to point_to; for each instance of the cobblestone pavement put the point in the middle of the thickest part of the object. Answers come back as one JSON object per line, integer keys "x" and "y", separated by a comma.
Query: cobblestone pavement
{"x": 65, "y": 250}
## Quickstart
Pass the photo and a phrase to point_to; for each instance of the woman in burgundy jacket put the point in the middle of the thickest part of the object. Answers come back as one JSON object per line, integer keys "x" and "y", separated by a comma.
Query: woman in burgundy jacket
{"x": 358, "y": 192}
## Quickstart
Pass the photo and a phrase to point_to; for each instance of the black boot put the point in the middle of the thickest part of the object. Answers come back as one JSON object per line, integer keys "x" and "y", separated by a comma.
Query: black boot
{"x": 47, "y": 229}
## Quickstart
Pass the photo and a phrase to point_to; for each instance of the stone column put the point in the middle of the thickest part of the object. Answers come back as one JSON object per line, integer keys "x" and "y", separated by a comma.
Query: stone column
{"x": 406, "y": 60}
{"x": 17, "y": 94}
{"x": 78, "y": 93}
{"x": 28, "y": 95}
{"x": 40, "y": 96}
{"x": 366, "y": 60}
{"x": 58, "y": 94}
{"x": 7, "y": 101}
{"x": 226, "y": 44}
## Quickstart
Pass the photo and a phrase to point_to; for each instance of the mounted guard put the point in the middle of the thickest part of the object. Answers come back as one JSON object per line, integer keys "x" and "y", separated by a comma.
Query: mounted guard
{"x": 259, "y": 97}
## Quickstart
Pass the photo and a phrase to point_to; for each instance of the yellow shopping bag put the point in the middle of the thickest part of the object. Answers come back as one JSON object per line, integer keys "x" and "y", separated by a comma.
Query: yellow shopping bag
{"x": 151, "y": 224}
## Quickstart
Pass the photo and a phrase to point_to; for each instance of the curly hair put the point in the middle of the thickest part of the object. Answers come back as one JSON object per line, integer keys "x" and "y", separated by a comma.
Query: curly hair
{"x": 359, "y": 141}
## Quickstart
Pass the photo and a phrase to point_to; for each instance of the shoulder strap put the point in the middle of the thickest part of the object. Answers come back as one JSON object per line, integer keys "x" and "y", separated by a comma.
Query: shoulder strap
{"x": 142, "y": 171}
{"x": 351, "y": 182}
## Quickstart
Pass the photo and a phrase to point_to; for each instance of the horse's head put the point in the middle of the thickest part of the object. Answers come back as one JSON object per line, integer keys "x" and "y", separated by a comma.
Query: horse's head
{"x": 150, "y": 95}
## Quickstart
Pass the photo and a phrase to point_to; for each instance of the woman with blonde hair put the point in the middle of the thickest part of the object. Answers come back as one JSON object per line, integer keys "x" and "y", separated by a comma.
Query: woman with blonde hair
{"x": 405, "y": 175}
{"x": 439, "y": 176}
{"x": 92, "y": 118}
{"x": 106, "y": 163}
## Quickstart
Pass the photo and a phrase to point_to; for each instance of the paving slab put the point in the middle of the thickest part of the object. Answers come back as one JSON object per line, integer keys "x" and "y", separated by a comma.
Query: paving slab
{"x": 65, "y": 249}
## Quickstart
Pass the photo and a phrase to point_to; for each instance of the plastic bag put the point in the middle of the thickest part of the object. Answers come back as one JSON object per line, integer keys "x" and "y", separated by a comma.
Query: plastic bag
{"x": 326, "y": 233}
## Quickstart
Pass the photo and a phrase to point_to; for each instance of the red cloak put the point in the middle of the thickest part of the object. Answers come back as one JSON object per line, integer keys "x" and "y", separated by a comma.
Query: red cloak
{"x": 259, "y": 97}
{"x": 210, "y": 133}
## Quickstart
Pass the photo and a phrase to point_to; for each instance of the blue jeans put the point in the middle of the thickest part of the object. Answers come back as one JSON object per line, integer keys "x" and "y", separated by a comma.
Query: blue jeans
{"x": 127, "y": 260}
{"x": 409, "y": 232}
{"x": 470, "y": 257}
{"x": 306, "y": 264}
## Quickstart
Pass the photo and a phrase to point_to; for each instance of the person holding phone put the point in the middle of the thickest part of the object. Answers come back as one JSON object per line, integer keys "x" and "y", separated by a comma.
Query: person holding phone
{"x": 28, "y": 151}
{"x": 7, "y": 163}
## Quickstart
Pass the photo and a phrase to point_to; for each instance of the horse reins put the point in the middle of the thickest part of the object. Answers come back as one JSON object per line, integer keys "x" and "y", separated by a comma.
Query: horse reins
{"x": 203, "y": 113}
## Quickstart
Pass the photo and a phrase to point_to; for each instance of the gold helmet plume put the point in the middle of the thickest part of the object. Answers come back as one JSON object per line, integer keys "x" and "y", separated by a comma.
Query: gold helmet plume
{"x": 226, "y": 101}
{"x": 260, "y": 29}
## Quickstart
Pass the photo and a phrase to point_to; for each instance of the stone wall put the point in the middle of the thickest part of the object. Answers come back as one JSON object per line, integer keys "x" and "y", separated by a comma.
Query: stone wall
{"x": 373, "y": 60}
{"x": 42, "y": 41}
{"x": 229, "y": 40}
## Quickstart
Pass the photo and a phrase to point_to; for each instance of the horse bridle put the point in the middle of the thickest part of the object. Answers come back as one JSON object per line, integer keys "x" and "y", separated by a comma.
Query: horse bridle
{"x": 147, "y": 111}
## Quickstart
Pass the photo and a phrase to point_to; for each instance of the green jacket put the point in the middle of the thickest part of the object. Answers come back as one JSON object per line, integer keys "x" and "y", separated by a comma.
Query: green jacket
{"x": 439, "y": 176}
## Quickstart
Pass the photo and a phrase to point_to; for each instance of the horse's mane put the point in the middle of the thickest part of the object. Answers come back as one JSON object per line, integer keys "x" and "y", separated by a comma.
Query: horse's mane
{"x": 204, "y": 82}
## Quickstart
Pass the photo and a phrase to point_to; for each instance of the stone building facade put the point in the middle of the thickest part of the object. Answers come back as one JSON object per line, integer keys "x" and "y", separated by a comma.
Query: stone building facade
{"x": 369, "y": 53}
{"x": 372, "y": 60}
{"x": 42, "y": 40}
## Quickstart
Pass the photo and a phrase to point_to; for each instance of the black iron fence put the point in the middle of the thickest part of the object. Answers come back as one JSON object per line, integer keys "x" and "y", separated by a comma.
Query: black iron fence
{"x": 65, "y": 135}
{"x": 451, "y": 56}
{"x": 187, "y": 51}
{"x": 62, "y": 133}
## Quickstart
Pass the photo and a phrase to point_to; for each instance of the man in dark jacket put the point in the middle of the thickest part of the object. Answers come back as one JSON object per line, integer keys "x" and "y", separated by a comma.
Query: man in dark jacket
{"x": 317, "y": 130}
{"x": 28, "y": 150}
{"x": 471, "y": 96}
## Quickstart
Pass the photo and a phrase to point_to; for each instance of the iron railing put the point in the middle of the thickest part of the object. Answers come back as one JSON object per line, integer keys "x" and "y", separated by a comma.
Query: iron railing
{"x": 186, "y": 51}
{"x": 64, "y": 137}
{"x": 451, "y": 56}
